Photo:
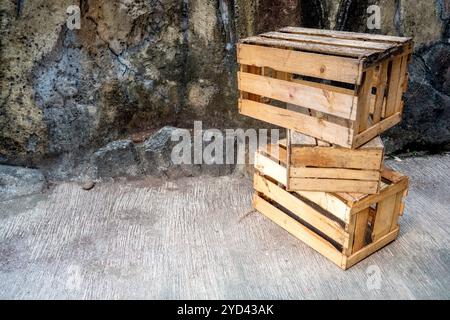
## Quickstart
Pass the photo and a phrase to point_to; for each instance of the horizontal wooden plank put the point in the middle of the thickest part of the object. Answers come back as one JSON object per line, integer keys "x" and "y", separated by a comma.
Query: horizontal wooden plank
{"x": 347, "y": 35}
{"x": 367, "y": 200}
{"x": 370, "y": 249}
{"x": 376, "y": 129}
{"x": 333, "y": 157}
{"x": 304, "y": 63}
{"x": 270, "y": 168}
{"x": 337, "y": 104}
{"x": 308, "y": 125}
{"x": 367, "y": 45}
{"x": 333, "y": 185}
{"x": 298, "y": 230}
{"x": 315, "y": 48}
{"x": 297, "y": 207}
{"x": 328, "y": 201}
{"x": 335, "y": 173}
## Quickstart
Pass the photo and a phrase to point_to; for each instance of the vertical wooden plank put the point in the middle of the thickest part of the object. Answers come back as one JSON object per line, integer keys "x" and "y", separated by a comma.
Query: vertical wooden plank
{"x": 394, "y": 83}
{"x": 398, "y": 210}
{"x": 402, "y": 84}
{"x": 383, "y": 217}
{"x": 288, "y": 159}
{"x": 349, "y": 242}
{"x": 381, "y": 91}
{"x": 362, "y": 220}
{"x": 364, "y": 96}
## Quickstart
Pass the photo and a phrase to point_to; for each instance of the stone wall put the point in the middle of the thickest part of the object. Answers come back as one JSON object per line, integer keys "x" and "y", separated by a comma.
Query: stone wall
{"x": 137, "y": 65}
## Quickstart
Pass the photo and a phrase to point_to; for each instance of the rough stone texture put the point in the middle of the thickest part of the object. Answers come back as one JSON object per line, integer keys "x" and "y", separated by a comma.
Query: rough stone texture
{"x": 156, "y": 154}
{"x": 425, "y": 124}
{"x": 19, "y": 181}
{"x": 139, "y": 65}
{"x": 118, "y": 158}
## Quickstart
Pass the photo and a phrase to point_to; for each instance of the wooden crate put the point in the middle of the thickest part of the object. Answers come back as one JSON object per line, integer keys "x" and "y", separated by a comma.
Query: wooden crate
{"x": 315, "y": 165}
{"x": 353, "y": 82}
{"x": 344, "y": 227}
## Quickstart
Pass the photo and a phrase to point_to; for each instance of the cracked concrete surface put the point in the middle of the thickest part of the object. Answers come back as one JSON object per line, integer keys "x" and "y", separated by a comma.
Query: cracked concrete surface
{"x": 197, "y": 238}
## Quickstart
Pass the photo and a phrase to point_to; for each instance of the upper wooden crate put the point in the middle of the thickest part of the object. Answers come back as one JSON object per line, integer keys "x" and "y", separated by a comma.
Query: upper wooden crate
{"x": 350, "y": 85}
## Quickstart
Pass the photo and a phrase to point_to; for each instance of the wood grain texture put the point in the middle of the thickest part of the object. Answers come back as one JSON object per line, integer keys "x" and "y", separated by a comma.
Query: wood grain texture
{"x": 304, "y": 63}
{"x": 334, "y": 103}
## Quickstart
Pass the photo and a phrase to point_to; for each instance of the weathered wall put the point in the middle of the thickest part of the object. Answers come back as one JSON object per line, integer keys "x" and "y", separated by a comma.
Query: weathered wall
{"x": 135, "y": 66}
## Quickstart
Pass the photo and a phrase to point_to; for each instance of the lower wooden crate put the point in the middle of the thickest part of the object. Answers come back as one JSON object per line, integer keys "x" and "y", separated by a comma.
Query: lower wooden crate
{"x": 344, "y": 227}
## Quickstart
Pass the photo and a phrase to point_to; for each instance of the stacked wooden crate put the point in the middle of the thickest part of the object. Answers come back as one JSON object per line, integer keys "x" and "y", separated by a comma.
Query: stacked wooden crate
{"x": 334, "y": 92}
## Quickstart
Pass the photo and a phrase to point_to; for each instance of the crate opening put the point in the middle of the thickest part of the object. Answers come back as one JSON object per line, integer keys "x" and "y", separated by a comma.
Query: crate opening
{"x": 290, "y": 214}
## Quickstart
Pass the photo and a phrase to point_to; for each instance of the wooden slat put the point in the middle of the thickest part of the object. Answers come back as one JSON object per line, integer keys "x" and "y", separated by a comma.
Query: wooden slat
{"x": 376, "y": 129}
{"x": 369, "y": 249}
{"x": 308, "y": 125}
{"x": 335, "y": 173}
{"x": 394, "y": 83}
{"x": 383, "y": 217}
{"x": 361, "y": 225}
{"x": 309, "y": 64}
{"x": 270, "y": 168}
{"x": 368, "y": 200}
{"x": 336, "y": 158}
{"x": 298, "y": 230}
{"x": 333, "y": 185}
{"x": 381, "y": 91}
{"x": 392, "y": 176}
{"x": 303, "y": 211}
{"x": 328, "y": 201}
{"x": 367, "y": 45}
{"x": 340, "y": 105}
{"x": 257, "y": 71}
{"x": 347, "y": 35}
{"x": 347, "y": 248}
{"x": 397, "y": 210}
{"x": 375, "y": 143}
{"x": 401, "y": 84}
{"x": 363, "y": 106}
{"x": 347, "y": 52}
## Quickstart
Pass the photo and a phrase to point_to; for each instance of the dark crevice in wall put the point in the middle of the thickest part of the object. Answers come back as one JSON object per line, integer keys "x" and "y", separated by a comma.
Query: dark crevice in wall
{"x": 352, "y": 16}
{"x": 398, "y": 17}
{"x": 20, "y": 6}
{"x": 342, "y": 17}
{"x": 313, "y": 14}
{"x": 182, "y": 89}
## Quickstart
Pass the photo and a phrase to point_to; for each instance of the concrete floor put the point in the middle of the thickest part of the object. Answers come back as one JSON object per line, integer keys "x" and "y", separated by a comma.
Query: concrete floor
{"x": 195, "y": 239}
